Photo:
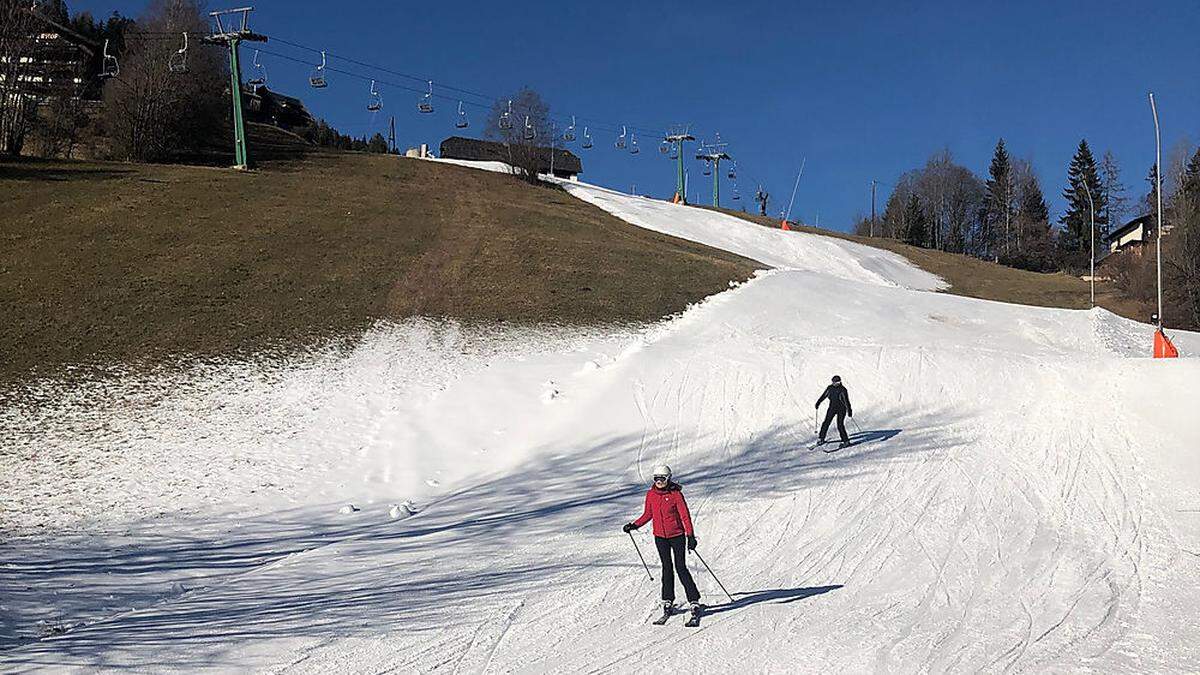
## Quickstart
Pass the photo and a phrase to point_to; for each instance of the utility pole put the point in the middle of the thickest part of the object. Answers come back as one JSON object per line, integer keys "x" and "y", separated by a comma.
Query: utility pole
{"x": 873, "y": 182}
{"x": 392, "y": 134}
{"x": 676, "y": 140}
{"x": 714, "y": 153}
{"x": 231, "y": 36}
{"x": 1158, "y": 199}
{"x": 1092, "y": 212}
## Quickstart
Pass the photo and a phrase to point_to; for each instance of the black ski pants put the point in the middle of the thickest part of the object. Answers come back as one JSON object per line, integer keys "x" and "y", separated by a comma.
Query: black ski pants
{"x": 676, "y": 546}
{"x": 841, "y": 418}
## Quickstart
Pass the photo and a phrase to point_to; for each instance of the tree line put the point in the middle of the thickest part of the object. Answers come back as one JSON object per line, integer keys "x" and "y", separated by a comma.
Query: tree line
{"x": 1004, "y": 217}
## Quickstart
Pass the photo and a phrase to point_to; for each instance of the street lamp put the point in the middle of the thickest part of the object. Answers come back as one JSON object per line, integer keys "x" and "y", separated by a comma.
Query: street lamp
{"x": 1092, "y": 233}
{"x": 1158, "y": 199}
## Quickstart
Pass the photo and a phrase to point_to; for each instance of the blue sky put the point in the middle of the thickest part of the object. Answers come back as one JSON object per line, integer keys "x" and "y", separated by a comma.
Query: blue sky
{"x": 863, "y": 90}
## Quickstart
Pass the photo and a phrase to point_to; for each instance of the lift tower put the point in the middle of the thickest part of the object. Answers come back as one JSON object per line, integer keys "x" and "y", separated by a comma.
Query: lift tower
{"x": 675, "y": 139}
{"x": 714, "y": 153}
{"x": 231, "y": 32}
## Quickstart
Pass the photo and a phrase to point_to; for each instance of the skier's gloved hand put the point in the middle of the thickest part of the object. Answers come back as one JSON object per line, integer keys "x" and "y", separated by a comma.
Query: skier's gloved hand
{"x": 851, "y": 413}
{"x": 629, "y": 527}
{"x": 691, "y": 542}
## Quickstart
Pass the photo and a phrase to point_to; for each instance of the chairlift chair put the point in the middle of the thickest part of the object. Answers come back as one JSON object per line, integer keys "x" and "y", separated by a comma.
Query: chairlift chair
{"x": 620, "y": 144}
{"x": 177, "y": 63}
{"x": 375, "y": 103}
{"x": 505, "y": 122}
{"x": 587, "y": 139}
{"x": 425, "y": 105}
{"x": 569, "y": 135}
{"x": 732, "y": 172}
{"x": 529, "y": 131}
{"x": 633, "y": 146}
{"x": 108, "y": 65}
{"x": 261, "y": 79}
{"x": 707, "y": 167}
{"x": 664, "y": 147}
{"x": 461, "y": 123}
{"x": 317, "y": 79}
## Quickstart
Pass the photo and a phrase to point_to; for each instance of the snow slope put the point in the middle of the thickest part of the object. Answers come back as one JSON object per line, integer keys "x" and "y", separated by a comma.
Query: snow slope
{"x": 1023, "y": 496}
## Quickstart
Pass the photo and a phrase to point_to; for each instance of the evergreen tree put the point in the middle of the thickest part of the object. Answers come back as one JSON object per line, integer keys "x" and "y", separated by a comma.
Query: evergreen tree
{"x": 1114, "y": 193}
{"x": 914, "y": 217}
{"x": 1032, "y": 206}
{"x": 1149, "y": 201}
{"x": 1082, "y": 179}
{"x": 377, "y": 144}
{"x": 1191, "y": 177}
{"x": 998, "y": 207}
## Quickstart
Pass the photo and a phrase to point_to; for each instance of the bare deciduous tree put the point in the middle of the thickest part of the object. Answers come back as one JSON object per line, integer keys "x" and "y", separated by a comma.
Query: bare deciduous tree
{"x": 529, "y": 136}
{"x": 16, "y": 106}
{"x": 152, "y": 113}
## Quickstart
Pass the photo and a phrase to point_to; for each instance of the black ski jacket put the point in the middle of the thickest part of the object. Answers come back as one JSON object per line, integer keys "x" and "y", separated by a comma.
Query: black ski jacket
{"x": 839, "y": 399}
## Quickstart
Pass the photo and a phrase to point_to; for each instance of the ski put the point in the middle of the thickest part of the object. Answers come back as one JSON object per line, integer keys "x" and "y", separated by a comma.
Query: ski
{"x": 693, "y": 620}
{"x": 667, "y": 612}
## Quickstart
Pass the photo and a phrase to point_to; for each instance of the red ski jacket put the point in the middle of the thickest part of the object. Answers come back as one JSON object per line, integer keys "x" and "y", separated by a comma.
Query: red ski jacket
{"x": 669, "y": 511}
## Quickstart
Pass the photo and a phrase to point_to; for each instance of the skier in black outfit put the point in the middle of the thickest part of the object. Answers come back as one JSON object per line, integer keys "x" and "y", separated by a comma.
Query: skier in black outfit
{"x": 839, "y": 406}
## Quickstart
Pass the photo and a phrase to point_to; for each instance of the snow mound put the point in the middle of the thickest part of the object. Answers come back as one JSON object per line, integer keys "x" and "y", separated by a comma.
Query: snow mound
{"x": 784, "y": 250}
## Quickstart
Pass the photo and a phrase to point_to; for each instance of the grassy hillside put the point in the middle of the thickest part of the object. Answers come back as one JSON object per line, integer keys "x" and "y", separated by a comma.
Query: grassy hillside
{"x": 977, "y": 278}
{"x": 118, "y": 262}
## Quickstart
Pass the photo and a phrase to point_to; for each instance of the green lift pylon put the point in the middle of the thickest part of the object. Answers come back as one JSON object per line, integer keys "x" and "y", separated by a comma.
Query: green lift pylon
{"x": 230, "y": 33}
{"x": 676, "y": 141}
{"x": 714, "y": 154}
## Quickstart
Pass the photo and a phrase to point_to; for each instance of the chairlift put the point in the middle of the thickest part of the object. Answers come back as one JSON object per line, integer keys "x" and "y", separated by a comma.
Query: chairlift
{"x": 620, "y": 144}
{"x": 261, "y": 79}
{"x": 375, "y": 103}
{"x": 587, "y": 139}
{"x": 732, "y": 171}
{"x": 633, "y": 146}
{"x": 462, "y": 117}
{"x": 569, "y": 135}
{"x": 505, "y": 122}
{"x": 529, "y": 131}
{"x": 425, "y": 105}
{"x": 177, "y": 63}
{"x": 317, "y": 79}
{"x": 664, "y": 147}
{"x": 707, "y": 168}
{"x": 108, "y": 65}
{"x": 736, "y": 196}
{"x": 673, "y": 153}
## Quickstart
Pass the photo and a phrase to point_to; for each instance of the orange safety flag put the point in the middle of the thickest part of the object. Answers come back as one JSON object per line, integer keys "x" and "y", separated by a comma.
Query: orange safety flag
{"x": 1163, "y": 347}
{"x": 783, "y": 224}
{"x": 676, "y": 199}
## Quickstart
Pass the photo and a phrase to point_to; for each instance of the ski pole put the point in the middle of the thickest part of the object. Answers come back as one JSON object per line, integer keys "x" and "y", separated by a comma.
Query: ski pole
{"x": 856, "y": 425}
{"x": 639, "y": 552}
{"x": 713, "y": 575}
{"x": 816, "y": 420}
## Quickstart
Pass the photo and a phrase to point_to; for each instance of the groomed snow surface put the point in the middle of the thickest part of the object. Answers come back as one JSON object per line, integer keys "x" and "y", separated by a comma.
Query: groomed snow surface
{"x": 1023, "y": 494}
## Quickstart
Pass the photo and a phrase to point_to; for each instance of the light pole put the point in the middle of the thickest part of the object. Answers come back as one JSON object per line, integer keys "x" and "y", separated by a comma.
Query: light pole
{"x": 1092, "y": 236}
{"x": 1158, "y": 198}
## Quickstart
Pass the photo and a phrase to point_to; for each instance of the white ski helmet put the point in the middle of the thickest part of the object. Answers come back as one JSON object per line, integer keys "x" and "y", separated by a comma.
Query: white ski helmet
{"x": 662, "y": 470}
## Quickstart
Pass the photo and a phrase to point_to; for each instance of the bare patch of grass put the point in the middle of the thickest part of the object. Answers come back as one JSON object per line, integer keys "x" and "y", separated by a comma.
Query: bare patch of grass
{"x": 109, "y": 262}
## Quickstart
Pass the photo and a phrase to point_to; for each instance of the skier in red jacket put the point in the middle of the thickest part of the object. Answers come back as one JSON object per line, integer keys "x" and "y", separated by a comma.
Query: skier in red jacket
{"x": 666, "y": 506}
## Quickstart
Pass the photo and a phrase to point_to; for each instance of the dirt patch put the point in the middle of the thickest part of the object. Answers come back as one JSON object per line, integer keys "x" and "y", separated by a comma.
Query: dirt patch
{"x": 110, "y": 262}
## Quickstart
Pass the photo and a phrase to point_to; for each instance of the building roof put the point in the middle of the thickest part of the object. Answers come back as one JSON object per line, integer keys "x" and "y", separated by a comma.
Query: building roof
{"x": 458, "y": 147}
{"x": 1146, "y": 220}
